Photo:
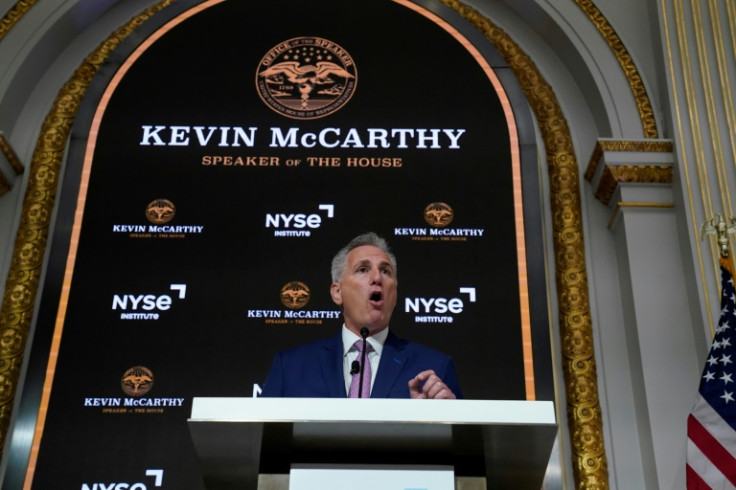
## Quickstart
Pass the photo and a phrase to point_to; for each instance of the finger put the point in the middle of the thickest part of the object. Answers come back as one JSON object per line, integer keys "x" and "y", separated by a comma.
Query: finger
{"x": 432, "y": 386}
{"x": 414, "y": 389}
{"x": 445, "y": 394}
{"x": 424, "y": 375}
{"x": 436, "y": 388}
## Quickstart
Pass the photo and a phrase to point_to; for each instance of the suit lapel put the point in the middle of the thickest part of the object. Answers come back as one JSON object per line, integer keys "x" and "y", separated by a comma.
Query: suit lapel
{"x": 393, "y": 359}
{"x": 331, "y": 360}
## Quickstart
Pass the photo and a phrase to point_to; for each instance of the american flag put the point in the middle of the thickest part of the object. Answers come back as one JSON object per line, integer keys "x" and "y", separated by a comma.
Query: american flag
{"x": 711, "y": 426}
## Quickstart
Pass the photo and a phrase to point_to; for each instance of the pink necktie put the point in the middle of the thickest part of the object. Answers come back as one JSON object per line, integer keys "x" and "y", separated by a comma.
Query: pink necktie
{"x": 355, "y": 383}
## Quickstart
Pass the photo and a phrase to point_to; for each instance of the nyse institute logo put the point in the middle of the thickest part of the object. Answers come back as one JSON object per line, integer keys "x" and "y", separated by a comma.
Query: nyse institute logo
{"x": 306, "y": 78}
{"x": 299, "y": 224}
{"x": 439, "y": 309}
{"x": 148, "y": 305}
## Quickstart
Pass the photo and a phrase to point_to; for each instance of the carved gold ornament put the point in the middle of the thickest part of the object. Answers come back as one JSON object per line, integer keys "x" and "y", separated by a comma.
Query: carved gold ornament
{"x": 13, "y": 15}
{"x": 638, "y": 90}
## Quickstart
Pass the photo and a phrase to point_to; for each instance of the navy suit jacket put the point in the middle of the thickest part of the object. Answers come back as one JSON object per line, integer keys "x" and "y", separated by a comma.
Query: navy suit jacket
{"x": 316, "y": 369}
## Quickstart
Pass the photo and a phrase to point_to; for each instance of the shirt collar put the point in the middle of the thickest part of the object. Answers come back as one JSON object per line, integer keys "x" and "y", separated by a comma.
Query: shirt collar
{"x": 376, "y": 340}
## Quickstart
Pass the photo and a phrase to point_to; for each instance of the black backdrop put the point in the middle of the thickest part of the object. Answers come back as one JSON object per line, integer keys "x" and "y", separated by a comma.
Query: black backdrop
{"x": 214, "y": 333}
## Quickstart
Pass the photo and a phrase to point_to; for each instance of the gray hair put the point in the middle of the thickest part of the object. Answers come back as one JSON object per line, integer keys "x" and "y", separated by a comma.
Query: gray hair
{"x": 340, "y": 261}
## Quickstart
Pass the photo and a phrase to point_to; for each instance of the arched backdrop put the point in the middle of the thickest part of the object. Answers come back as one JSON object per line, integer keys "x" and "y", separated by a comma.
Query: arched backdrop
{"x": 572, "y": 287}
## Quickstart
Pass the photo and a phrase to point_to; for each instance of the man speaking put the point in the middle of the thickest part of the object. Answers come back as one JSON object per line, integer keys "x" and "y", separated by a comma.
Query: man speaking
{"x": 366, "y": 359}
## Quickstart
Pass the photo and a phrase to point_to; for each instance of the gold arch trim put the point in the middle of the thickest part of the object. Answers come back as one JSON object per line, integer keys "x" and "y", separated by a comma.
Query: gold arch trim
{"x": 576, "y": 331}
{"x": 30, "y": 242}
{"x": 583, "y": 408}
{"x": 639, "y": 91}
{"x": 13, "y": 15}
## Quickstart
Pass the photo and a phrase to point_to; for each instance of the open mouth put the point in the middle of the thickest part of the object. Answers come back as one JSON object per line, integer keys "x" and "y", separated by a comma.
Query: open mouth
{"x": 376, "y": 296}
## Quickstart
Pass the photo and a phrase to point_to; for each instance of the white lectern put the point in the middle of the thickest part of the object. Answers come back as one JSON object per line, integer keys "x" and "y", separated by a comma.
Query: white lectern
{"x": 508, "y": 442}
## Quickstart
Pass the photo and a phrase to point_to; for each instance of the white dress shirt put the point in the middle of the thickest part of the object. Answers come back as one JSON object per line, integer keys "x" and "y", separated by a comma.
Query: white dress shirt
{"x": 350, "y": 353}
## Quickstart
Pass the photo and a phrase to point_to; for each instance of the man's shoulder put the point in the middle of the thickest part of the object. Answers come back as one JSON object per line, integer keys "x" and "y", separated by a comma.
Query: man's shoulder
{"x": 313, "y": 346}
{"x": 411, "y": 346}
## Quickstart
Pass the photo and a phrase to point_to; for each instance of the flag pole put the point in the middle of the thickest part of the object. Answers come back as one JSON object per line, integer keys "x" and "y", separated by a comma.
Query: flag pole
{"x": 727, "y": 263}
{"x": 721, "y": 227}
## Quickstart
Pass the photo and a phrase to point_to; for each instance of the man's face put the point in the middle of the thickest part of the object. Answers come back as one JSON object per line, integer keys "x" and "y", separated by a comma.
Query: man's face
{"x": 367, "y": 290}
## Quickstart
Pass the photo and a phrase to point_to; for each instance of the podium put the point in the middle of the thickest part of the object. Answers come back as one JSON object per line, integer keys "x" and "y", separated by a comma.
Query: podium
{"x": 236, "y": 439}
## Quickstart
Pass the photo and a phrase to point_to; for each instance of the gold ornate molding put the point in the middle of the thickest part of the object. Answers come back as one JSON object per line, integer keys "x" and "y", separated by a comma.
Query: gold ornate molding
{"x": 10, "y": 155}
{"x": 30, "y": 242}
{"x": 15, "y": 165}
{"x": 602, "y": 146}
{"x": 8, "y": 21}
{"x": 576, "y": 331}
{"x": 613, "y": 175}
{"x": 643, "y": 104}
{"x": 13, "y": 15}
{"x": 648, "y": 169}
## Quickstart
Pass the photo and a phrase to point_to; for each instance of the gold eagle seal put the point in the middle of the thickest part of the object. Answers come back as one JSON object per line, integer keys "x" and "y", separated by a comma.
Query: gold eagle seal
{"x": 306, "y": 78}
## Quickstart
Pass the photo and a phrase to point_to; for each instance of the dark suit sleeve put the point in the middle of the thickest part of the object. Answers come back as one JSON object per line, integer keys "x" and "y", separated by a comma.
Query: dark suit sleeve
{"x": 449, "y": 377}
{"x": 274, "y": 382}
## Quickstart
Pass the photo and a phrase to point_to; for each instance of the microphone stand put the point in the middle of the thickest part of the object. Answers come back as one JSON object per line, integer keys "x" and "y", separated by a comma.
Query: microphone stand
{"x": 363, "y": 333}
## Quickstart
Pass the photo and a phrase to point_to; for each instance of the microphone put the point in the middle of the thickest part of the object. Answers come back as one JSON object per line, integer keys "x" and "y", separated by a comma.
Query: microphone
{"x": 364, "y": 332}
{"x": 355, "y": 367}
